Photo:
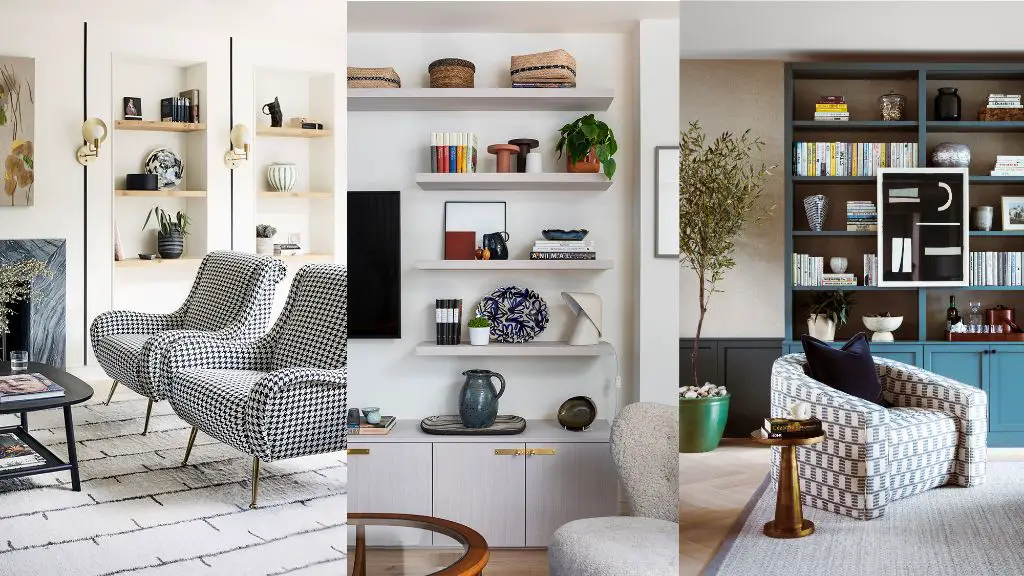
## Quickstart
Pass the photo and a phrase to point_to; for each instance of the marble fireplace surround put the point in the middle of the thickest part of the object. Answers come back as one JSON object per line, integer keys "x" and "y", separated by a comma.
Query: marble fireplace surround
{"x": 48, "y": 341}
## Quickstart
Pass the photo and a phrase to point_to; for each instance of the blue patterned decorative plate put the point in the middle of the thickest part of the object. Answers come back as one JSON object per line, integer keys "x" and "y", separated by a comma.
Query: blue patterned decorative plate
{"x": 517, "y": 314}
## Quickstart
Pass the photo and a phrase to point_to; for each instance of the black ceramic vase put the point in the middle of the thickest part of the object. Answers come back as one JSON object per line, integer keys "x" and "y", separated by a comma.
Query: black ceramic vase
{"x": 273, "y": 109}
{"x": 947, "y": 105}
{"x": 170, "y": 246}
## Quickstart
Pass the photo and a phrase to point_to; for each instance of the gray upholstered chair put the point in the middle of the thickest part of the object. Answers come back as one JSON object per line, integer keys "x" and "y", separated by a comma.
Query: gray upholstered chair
{"x": 280, "y": 396}
{"x": 231, "y": 298}
{"x": 934, "y": 434}
{"x": 645, "y": 439}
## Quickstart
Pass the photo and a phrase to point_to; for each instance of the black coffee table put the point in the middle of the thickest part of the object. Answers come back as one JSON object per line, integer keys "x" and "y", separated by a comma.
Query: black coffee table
{"x": 75, "y": 392}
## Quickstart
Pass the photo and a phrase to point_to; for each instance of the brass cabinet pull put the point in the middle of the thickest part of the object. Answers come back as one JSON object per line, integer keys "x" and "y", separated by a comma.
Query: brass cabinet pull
{"x": 540, "y": 452}
{"x": 358, "y": 451}
{"x": 509, "y": 452}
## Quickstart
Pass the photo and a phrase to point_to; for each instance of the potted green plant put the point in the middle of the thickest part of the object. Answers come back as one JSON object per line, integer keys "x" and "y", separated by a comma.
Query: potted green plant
{"x": 588, "y": 144}
{"x": 479, "y": 331}
{"x": 828, "y": 310}
{"x": 16, "y": 287}
{"x": 265, "y": 239}
{"x": 720, "y": 196}
{"x": 170, "y": 238}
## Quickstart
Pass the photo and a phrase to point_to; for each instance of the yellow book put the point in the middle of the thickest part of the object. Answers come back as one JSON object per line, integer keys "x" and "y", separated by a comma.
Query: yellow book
{"x": 831, "y": 107}
{"x": 831, "y": 158}
{"x": 459, "y": 154}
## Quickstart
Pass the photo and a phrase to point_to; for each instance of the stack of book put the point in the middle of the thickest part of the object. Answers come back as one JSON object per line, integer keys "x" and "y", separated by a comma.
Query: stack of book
{"x": 861, "y": 216}
{"x": 181, "y": 108}
{"x": 787, "y": 428}
{"x": 563, "y": 250}
{"x": 846, "y": 279}
{"x": 448, "y": 321}
{"x": 870, "y": 270}
{"x": 453, "y": 152}
{"x": 1004, "y": 101}
{"x": 851, "y": 158}
{"x": 15, "y": 454}
{"x": 810, "y": 271}
{"x": 1008, "y": 166}
{"x": 831, "y": 109}
{"x": 364, "y": 428}
{"x": 996, "y": 268}
{"x": 25, "y": 387}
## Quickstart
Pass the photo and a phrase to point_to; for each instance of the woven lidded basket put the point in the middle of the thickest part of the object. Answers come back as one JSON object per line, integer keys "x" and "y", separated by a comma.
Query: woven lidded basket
{"x": 1001, "y": 114}
{"x": 373, "y": 78}
{"x": 554, "y": 67}
{"x": 451, "y": 73}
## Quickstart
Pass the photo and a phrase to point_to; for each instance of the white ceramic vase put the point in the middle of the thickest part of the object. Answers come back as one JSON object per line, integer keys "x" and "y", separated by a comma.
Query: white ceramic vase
{"x": 983, "y": 218}
{"x": 838, "y": 264}
{"x": 265, "y": 246}
{"x": 282, "y": 176}
{"x": 479, "y": 336}
{"x": 821, "y": 327}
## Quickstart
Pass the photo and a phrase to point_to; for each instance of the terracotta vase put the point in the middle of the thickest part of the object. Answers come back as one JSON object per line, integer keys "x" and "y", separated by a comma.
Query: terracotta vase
{"x": 589, "y": 165}
{"x": 504, "y": 156}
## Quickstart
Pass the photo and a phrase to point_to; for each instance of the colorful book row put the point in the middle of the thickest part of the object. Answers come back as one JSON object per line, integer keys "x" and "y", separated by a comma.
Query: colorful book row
{"x": 851, "y": 158}
{"x": 453, "y": 152}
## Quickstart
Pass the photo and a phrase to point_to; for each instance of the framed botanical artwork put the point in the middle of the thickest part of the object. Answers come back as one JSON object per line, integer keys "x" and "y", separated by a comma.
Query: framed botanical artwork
{"x": 666, "y": 202}
{"x": 17, "y": 129}
{"x": 923, "y": 236}
{"x": 1013, "y": 212}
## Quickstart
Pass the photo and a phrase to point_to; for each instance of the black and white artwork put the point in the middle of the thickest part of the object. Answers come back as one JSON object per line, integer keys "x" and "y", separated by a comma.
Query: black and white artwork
{"x": 1013, "y": 212}
{"x": 923, "y": 227}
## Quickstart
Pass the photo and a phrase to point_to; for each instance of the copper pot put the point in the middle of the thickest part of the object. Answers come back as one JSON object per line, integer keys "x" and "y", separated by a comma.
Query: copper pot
{"x": 1001, "y": 315}
{"x": 588, "y": 165}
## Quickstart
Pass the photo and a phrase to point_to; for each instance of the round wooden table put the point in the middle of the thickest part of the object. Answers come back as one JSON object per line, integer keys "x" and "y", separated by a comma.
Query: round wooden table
{"x": 789, "y": 515}
{"x": 471, "y": 563}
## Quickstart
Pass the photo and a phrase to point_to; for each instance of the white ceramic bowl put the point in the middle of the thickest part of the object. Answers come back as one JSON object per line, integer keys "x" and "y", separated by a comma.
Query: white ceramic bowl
{"x": 882, "y": 327}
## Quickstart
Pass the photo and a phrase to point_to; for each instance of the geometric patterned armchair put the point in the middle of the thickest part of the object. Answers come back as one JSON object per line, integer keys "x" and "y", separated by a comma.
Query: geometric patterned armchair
{"x": 231, "y": 298}
{"x": 280, "y": 396}
{"x": 933, "y": 434}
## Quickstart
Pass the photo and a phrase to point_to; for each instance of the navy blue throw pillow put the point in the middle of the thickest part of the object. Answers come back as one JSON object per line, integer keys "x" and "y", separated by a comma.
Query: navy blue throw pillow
{"x": 849, "y": 369}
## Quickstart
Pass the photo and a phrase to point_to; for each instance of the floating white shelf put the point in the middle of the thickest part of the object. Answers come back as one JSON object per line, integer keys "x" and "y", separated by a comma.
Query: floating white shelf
{"x": 161, "y": 193}
{"x": 479, "y": 99}
{"x": 294, "y": 194}
{"x": 306, "y": 258}
{"x": 139, "y": 263}
{"x": 527, "y": 349}
{"x": 283, "y": 132}
{"x": 156, "y": 126}
{"x": 550, "y": 181}
{"x": 514, "y": 264}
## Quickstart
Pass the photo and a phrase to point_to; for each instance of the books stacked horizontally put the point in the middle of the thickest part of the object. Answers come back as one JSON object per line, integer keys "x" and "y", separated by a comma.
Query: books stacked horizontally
{"x": 25, "y": 387}
{"x": 1008, "y": 166}
{"x": 364, "y": 428}
{"x": 448, "y": 321}
{"x": 861, "y": 216}
{"x": 1004, "y": 101}
{"x": 870, "y": 270}
{"x": 563, "y": 250}
{"x": 453, "y": 152}
{"x": 851, "y": 158}
{"x": 181, "y": 108}
{"x": 831, "y": 109}
{"x": 787, "y": 428}
{"x": 14, "y": 454}
{"x": 996, "y": 268}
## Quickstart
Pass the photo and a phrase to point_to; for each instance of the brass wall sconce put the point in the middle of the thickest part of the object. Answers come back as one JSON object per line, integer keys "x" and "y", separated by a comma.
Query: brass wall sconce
{"x": 94, "y": 132}
{"x": 239, "y": 150}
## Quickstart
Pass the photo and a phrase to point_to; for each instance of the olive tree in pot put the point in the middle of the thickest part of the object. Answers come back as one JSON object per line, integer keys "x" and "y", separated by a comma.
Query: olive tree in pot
{"x": 265, "y": 239}
{"x": 588, "y": 144}
{"x": 720, "y": 195}
{"x": 828, "y": 310}
{"x": 170, "y": 238}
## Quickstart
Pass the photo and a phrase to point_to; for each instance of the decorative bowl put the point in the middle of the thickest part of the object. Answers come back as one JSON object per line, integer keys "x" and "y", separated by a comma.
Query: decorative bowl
{"x": 147, "y": 256}
{"x": 577, "y": 413}
{"x": 882, "y": 327}
{"x": 951, "y": 155}
{"x": 564, "y": 234}
{"x": 282, "y": 176}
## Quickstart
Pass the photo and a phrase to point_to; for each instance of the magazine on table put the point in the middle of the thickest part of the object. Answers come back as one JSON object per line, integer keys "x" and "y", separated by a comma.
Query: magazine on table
{"x": 23, "y": 387}
{"x": 14, "y": 453}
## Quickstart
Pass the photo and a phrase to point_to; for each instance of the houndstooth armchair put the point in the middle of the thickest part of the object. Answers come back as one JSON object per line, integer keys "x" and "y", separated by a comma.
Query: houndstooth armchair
{"x": 231, "y": 298}
{"x": 934, "y": 434}
{"x": 281, "y": 396}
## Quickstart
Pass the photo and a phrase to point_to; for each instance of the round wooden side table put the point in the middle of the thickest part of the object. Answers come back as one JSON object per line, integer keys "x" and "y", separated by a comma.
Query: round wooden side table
{"x": 474, "y": 548}
{"x": 789, "y": 515}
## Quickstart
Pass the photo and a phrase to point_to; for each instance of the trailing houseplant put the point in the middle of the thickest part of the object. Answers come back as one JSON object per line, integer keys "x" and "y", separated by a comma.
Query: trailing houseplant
{"x": 16, "y": 286}
{"x": 588, "y": 144}
{"x": 170, "y": 238}
{"x": 721, "y": 188}
{"x": 479, "y": 331}
{"x": 265, "y": 239}
{"x": 828, "y": 311}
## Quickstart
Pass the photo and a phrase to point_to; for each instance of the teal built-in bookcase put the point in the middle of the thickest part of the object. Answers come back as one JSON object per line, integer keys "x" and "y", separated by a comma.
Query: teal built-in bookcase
{"x": 997, "y": 367}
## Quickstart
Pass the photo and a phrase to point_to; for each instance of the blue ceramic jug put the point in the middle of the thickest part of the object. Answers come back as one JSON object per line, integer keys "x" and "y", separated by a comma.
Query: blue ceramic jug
{"x": 478, "y": 401}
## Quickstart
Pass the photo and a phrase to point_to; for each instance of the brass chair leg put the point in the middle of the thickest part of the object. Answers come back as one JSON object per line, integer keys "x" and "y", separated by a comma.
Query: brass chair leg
{"x": 191, "y": 441}
{"x": 112, "y": 388}
{"x": 149, "y": 410}
{"x": 255, "y": 481}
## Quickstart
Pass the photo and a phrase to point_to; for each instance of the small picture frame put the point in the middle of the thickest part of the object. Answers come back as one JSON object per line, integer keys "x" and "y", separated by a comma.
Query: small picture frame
{"x": 1013, "y": 212}
{"x": 132, "y": 108}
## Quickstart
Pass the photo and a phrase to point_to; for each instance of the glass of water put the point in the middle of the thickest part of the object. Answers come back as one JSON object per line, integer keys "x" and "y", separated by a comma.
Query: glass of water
{"x": 19, "y": 360}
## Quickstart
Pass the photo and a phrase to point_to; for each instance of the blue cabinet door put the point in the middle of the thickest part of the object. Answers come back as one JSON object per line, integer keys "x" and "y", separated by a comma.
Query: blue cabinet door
{"x": 967, "y": 363}
{"x": 906, "y": 353}
{"x": 1006, "y": 388}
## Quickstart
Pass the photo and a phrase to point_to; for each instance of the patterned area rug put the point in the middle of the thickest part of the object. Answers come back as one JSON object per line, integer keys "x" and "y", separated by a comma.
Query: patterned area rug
{"x": 141, "y": 513}
{"x": 944, "y": 531}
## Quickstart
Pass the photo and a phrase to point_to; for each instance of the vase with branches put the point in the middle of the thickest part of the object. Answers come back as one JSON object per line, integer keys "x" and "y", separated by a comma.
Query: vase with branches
{"x": 16, "y": 286}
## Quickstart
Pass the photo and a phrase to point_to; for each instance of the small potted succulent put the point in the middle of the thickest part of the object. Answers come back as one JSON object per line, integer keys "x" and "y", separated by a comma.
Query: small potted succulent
{"x": 170, "y": 238}
{"x": 828, "y": 310}
{"x": 265, "y": 239}
{"x": 479, "y": 331}
{"x": 588, "y": 144}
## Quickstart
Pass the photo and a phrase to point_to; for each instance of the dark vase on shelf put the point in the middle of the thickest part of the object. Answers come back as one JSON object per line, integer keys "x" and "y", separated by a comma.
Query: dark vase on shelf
{"x": 170, "y": 246}
{"x": 947, "y": 105}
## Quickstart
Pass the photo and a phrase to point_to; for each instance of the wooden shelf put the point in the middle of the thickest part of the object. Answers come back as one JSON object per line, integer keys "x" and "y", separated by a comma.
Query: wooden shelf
{"x": 294, "y": 194}
{"x": 854, "y": 125}
{"x": 997, "y": 233}
{"x": 479, "y": 99}
{"x": 140, "y": 263}
{"x": 832, "y": 233}
{"x": 833, "y": 179}
{"x": 527, "y": 349}
{"x": 156, "y": 126}
{"x": 997, "y": 179}
{"x": 974, "y": 126}
{"x": 549, "y": 181}
{"x": 847, "y": 288}
{"x": 161, "y": 193}
{"x": 292, "y": 132}
{"x": 514, "y": 264}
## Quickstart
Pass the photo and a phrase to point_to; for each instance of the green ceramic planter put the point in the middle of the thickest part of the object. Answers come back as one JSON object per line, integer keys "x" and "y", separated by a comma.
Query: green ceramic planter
{"x": 702, "y": 422}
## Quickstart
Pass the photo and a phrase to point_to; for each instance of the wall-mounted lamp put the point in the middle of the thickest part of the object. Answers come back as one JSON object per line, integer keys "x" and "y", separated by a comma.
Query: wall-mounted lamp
{"x": 239, "y": 146}
{"x": 94, "y": 132}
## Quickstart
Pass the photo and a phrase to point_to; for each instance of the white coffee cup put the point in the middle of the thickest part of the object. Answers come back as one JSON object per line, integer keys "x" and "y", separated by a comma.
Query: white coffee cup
{"x": 800, "y": 410}
{"x": 533, "y": 163}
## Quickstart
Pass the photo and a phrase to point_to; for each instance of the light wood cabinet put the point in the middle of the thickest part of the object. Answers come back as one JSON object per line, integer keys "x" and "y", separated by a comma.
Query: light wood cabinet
{"x": 390, "y": 477}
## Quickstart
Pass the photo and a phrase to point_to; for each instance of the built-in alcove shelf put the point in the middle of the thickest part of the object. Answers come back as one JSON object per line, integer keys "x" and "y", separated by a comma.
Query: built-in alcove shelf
{"x": 874, "y": 234}
{"x": 140, "y": 263}
{"x": 514, "y": 264}
{"x": 479, "y": 99}
{"x": 157, "y": 126}
{"x": 546, "y": 181}
{"x": 284, "y": 132}
{"x": 823, "y": 180}
{"x": 854, "y": 125}
{"x": 294, "y": 194}
{"x": 560, "y": 349}
{"x": 161, "y": 193}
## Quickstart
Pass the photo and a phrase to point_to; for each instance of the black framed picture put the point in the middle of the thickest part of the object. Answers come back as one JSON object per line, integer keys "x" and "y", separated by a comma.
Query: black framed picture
{"x": 472, "y": 220}
{"x": 132, "y": 108}
{"x": 923, "y": 237}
